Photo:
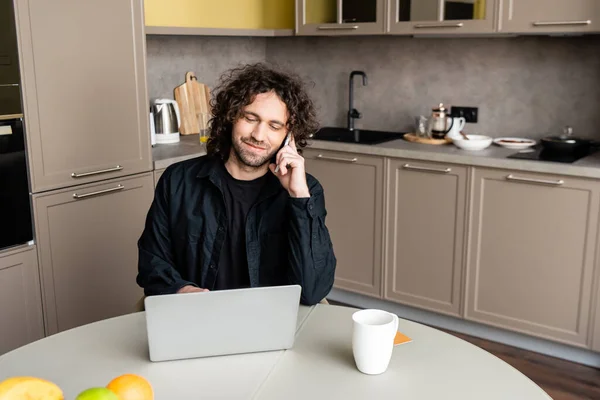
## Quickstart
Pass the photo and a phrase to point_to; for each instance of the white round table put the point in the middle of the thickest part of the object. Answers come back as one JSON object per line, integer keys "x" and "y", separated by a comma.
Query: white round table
{"x": 435, "y": 365}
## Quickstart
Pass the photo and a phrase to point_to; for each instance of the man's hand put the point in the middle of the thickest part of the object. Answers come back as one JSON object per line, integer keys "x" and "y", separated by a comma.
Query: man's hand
{"x": 191, "y": 289}
{"x": 291, "y": 172}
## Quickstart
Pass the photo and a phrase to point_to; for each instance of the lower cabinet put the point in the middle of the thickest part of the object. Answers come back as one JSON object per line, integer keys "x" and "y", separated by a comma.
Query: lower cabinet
{"x": 425, "y": 218}
{"x": 531, "y": 256}
{"x": 353, "y": 185}
{"x": 595, "y": 339}
{"x": 87, "y": 238}
{"x": 21, "y": 317}
{"x": 157, "y": 174}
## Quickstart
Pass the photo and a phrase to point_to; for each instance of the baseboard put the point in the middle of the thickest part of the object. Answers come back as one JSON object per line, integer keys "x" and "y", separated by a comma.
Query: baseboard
{"x": 558, "y": 350}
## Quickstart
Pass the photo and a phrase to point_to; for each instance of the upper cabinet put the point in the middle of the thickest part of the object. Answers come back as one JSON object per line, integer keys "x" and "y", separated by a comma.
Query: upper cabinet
{"x": 340, "y": 17}
{"x": 219, "y": 17}
{"x": 549, "y": 16}
{"x": 84, "y": 90}
{"x": 441, "y": 16}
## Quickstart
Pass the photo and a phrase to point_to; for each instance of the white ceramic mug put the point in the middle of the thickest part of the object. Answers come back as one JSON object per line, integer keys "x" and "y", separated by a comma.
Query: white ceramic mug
{"x": 373, "y": 340}
{"x": 457, "y": 126}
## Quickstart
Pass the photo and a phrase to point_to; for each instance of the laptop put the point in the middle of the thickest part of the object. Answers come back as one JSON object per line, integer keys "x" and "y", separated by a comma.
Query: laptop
{"x": 192, "y": 325}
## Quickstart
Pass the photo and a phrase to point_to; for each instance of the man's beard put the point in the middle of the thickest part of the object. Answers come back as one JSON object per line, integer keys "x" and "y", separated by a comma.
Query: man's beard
{"x": 248, "y": 158}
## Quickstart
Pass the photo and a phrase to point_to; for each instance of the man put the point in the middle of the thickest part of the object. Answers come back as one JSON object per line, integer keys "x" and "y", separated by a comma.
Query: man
{"x": 234, "y": 218}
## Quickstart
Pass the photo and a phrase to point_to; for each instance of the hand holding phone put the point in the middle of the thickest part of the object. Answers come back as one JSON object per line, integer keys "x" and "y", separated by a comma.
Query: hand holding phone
{"x": 285, "y": 143}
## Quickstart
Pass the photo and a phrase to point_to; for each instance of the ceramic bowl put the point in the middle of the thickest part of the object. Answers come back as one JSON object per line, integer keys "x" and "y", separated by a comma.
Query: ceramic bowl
{"x": 475, "y": 142}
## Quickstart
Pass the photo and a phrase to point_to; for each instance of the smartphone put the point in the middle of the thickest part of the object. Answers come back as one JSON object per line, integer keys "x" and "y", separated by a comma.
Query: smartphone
{"x": 286, "y": 141}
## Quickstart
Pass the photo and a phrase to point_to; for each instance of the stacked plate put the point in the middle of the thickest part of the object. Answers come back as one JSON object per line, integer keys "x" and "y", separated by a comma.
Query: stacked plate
{"x": 515, "y": 143}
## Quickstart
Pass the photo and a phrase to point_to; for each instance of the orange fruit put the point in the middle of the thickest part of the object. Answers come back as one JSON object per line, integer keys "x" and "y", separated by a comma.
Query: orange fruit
{"x": 131, "y": 387}
{"x": 27, "y": 387}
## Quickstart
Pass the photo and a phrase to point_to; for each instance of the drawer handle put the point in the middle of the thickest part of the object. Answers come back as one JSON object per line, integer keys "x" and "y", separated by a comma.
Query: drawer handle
{"x": 348, "y": 160}
{"x": 83, "y": 196}
{"x": 457, "y": 25}
{"x": 100, "y": 171}
{"x": 427, "y": 169}
{"x": 561, "y": 23}
{"x": 338, "y": 28}
{"x": 559, "y": 182}
{"x": 9, "y": 85}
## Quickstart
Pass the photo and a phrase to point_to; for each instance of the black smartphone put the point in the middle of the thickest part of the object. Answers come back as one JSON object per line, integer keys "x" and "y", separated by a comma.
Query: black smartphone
{"x": 286, "y": 141}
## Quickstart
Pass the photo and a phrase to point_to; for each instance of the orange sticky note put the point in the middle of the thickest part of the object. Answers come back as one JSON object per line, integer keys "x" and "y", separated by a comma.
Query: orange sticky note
{"x": 400, "y": 338}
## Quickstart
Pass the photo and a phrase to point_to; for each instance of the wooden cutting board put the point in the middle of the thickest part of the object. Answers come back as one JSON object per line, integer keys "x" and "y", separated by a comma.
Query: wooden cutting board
{"x": 192, "y": 97}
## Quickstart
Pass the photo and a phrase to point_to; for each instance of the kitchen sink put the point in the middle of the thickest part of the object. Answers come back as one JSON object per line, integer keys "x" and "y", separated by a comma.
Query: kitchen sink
{"x": 361, "y": 136}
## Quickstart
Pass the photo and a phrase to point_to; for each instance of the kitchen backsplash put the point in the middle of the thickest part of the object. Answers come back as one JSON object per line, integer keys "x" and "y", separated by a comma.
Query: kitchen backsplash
{"x": 529, "y": 86}
{"x": 170, "y": 57}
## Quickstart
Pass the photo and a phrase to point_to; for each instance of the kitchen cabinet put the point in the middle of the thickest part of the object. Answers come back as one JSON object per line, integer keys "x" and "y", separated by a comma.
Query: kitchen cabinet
{"x": 340, "y": 17}
{"x": 87, "y": 239}
{"x": 353, "y": 185}
{"x": 441, "y": 17}
{"x": 425, "y": 218}
{"x": 550, "y": 16}
{"x": 157, "y": 174}
{"x": 84, "y": 90}
{"x": 21, "y": 317}
{"x": 531, "y": 253}
{"x": 595, "y": 339}
{"x": 225, "y": 14}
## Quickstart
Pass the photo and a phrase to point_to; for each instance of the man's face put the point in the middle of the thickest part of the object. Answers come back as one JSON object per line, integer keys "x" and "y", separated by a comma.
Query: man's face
{"x": 259, "y": 133}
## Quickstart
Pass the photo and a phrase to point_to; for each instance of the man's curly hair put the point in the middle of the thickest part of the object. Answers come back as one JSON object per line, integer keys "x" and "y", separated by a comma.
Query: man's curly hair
{"x": 239, "y": 86}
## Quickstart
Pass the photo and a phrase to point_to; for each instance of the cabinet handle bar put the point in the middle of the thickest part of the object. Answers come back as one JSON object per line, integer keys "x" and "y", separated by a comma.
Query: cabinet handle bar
{"x": 83, "y": 196}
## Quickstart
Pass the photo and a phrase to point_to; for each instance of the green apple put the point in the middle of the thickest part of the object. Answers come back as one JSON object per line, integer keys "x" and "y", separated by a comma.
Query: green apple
{"x": 98, "y": 393}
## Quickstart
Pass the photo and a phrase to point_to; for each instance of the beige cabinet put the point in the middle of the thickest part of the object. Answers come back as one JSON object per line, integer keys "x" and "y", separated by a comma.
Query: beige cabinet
{"x": 21, "y": 318}
{"x": 425, "y": 218}
{"x": 353, "y": 185}
{"x": 87, "y": 238}
{"x": 84, "y": 90}
{"x": 595, "y": 339}
{"x": 549, "y": 16}
{"x": 531, "y": 253}
{"x": 340, "y": 17}
{"x": 157, "y": 174}
{"x": 441, "y": 17}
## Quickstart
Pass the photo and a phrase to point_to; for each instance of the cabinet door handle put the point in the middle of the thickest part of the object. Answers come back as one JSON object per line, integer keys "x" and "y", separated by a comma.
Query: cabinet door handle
{"x": 348, "y": 160}
{"x": 9, "y": 85}
{"x": 83, "y": 196}
{"x": 440, "y": 25}
{"x": 561, "y": 23}
{"x": 427, "y": 169}
{"x": 337, "y": 28}
{"x": 559, "y": 182}
{"x": 100, "y": 171}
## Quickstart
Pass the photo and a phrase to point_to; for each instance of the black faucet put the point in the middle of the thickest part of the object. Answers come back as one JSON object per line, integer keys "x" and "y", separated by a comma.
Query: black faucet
{"x": 353, "y": 112}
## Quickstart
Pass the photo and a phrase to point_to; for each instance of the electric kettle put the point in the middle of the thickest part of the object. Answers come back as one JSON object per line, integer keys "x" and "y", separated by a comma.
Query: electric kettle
{"x": 164, "y": 114}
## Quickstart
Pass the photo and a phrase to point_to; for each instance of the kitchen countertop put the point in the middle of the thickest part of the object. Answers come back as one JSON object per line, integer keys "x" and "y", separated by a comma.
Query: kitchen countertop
{"x": 493, "y": 157}
{"x": 189, "y": 146}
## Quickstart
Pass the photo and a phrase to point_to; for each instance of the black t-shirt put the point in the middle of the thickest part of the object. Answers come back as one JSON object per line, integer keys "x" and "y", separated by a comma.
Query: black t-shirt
{"x": 239, "y": 197}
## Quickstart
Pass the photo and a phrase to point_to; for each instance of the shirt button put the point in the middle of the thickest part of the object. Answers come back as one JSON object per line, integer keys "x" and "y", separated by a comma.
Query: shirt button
{"x": 211, "y": 266}
{"x": 220, "y": 229}
{"x": 310, "y": 206}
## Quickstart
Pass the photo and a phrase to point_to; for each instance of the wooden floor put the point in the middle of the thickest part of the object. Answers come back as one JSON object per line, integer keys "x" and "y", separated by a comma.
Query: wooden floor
{"x": 562, "y": 380}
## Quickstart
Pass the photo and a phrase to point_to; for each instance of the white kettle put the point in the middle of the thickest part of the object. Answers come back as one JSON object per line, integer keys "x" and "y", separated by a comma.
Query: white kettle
{"x": 165, "y": 121}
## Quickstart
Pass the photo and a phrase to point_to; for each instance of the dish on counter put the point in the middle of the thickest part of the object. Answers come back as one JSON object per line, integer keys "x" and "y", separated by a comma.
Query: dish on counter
{"x": 515, "y": 143}
{"x": 475, "y": 142}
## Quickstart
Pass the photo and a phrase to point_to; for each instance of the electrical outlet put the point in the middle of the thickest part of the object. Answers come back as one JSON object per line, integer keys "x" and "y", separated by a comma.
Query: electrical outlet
{"x": 469, "y": 113}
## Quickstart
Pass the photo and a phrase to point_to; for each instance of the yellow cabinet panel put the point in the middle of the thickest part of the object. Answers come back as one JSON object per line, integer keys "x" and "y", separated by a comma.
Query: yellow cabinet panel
{"x": 233, "y": 14}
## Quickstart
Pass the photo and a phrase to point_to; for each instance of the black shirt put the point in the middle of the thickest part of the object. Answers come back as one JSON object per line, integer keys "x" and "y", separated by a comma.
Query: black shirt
{"x": 185, "y": 229}
{"x": 239, "y": 196}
